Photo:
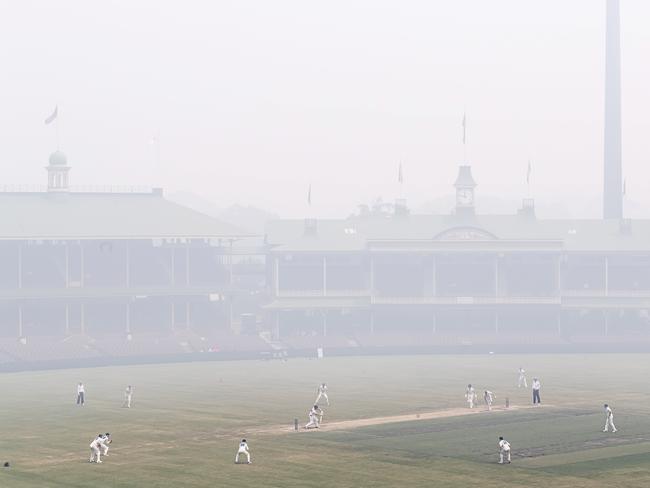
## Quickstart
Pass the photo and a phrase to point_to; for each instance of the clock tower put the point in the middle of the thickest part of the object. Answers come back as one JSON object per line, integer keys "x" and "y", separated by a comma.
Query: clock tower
{"x": 465, "y": 185}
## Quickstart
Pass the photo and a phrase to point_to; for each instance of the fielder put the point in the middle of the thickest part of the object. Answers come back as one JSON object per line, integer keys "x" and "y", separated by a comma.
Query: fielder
{"x": 81, "y": 393}
{"x": 488, "y": 397}
{"x": 315, "y": 418}
{"x": 609, "y": 419}
{"x": 96, "y": 447}
{"x": 470, "y": 395}
{"x": 243, "y": 449}
{"x": 106, "y": 442}
{"x": 522, "y": 378}
{"x": 504, "y": 450}
{"x": 322, "y": 393}
{"x": 128, "y": 396}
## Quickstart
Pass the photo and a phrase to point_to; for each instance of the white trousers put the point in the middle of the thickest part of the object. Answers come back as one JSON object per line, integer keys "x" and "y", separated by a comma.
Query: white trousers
{"x": 127, "y": 401}
{"x": 95, "y": 455}
{"x": 313, "y": 422}
{"x": 504, "y": 454}
{"x": 609, "y": 421}
{"x": 322, "y": 394}
{"x": 470, "y": 401}
{"x": 522, "y": 381}
{"x": 243, "y": 451}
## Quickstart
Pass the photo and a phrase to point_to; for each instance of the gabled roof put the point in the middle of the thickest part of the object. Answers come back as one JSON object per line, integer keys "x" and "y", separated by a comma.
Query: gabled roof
{"x": 357, "y": 233}
{"x": 42, "y": 215}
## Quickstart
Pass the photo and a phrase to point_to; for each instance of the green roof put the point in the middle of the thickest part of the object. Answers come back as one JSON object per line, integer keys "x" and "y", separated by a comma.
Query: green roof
{"x": 360, "y": 233}
{"x": 42, "y": 215}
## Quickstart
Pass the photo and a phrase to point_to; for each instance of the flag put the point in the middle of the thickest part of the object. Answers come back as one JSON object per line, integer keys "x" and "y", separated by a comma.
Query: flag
{"x": 309, "y": 195}
{"x": 400, "y": 176}
{"x": 464, "y": 127}
{"x": 51, "y": 118}
{"x": 530, "y": 168}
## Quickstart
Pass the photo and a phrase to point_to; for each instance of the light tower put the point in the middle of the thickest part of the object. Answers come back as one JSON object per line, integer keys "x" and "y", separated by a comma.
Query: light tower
{"x": 613, "y": 174}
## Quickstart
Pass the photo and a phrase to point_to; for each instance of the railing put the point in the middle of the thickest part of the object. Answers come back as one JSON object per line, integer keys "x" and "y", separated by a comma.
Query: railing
{"x": 481, "y": 300}
{"x": 323, "y": 293}
{"x": 78, "y": 189}
{"x": 608, "y": 293}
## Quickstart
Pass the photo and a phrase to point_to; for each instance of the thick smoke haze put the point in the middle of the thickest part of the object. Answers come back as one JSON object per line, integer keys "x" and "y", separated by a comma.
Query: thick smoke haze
{"x": 250, "y": 102}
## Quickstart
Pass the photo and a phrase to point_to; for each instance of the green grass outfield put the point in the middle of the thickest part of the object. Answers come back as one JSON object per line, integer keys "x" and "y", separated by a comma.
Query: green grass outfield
{"x": 188, "y": 418}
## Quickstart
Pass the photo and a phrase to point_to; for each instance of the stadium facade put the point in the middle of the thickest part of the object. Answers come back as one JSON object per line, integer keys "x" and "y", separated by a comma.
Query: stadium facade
{"x": 114, "y": 272}
{"x": 385, "y": 279}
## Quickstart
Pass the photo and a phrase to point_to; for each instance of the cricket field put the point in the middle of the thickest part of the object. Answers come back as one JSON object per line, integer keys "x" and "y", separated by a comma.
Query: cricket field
{"x": 187, "y": 420}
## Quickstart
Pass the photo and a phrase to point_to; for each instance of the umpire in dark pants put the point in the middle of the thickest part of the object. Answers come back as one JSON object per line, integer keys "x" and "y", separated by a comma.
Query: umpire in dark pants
{"x": 536, "y": 386}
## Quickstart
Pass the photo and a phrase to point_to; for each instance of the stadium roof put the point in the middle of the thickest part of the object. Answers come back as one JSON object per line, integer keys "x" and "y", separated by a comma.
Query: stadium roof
{"x": 365, "y": 232}
{"x": 70, "y": 215}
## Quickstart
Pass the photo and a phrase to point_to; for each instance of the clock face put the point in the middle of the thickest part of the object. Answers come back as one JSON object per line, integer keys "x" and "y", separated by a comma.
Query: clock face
{"x": 465, "y": 196}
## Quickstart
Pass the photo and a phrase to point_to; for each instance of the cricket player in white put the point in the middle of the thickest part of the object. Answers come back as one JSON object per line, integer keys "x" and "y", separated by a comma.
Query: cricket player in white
{"x": 488, "y": 397}
{"x": 609, "y": 419}
{"x": 315, "y": 417}
{"x": 322, "y": 393}
{"x": 470, "y": 395}
{"x": 81, "y": 393}
{"x": 128, "y": 396}
{"x": 95, "y": 449}
{"x": 105, "y": 443}
{"x": 243, "y": 449}
{"x": 504, "y": 450}
{"x": 522, "y": 378}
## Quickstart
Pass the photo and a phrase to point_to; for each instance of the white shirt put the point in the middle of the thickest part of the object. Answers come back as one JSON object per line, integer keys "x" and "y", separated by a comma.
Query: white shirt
{"x": 504, "y": 445}
{"x": 522, "y": 372}
{"x": 489, "y": 395}
{"x": 98, "y": 442}
{"x": 608, "y": 412}
{"x": 536, "y": 385}
{"x": 243, "y": 446}
{"x": 322, "y": 388}
{"x": 80, "y": 389}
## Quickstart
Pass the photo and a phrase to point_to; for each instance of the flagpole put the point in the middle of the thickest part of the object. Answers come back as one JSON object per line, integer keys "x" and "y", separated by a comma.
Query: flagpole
{"x": 58, "y": 146}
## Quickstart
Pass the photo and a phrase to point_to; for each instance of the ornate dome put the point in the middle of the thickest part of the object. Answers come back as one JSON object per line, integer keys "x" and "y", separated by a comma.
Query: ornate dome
{"x": 57, "y": 158}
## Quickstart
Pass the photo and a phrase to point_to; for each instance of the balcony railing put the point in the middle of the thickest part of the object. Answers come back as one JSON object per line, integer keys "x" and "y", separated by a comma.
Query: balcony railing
{"x": 606, "y": 293}
{"x": 323, "y": 293}
{"x": 480, "y": 300}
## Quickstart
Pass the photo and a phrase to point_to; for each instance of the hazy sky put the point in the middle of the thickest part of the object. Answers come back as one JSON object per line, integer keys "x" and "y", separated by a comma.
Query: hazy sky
{"x": 253, "y": 100}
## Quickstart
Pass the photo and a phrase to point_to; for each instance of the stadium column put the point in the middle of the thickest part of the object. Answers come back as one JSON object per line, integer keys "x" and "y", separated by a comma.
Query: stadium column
{"x": 606, "y": 275}
{"x": 433, "y": 279}
{"x": 372, "y": 322}
{"x": 83, "y": 319}
{"x": 372, "y": 276}
{"x": 67, "y": 318}
{"x": 606, "y": 314}
{"x": 67, "y": 270}
{"x": 187, "y": 314}
{"x": 20, "y": 320}
{"x": 559, "y": 322}
{"x": 496, "y": 276}
{"x": 172, "y": 266}
{"x": 324, "y": 276}
{"x": 558, "y": 272}
{"x": 276, "y": 276}
{"x": 187, "y": 264}
{"x": 496, "y": 322}
{"x": 435, "y": 322}
{"x": 127, "y": 269}
{"x": 128, "y": 317}
{"x": 324, "y": 312}
{"x": 20, "y": 265}
{"x": 173, "y": 315}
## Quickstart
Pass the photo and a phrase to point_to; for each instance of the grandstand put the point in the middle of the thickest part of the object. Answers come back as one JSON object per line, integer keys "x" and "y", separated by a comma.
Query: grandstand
{"x": 108, "y": 274}
{"x": 391, "y": 279}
